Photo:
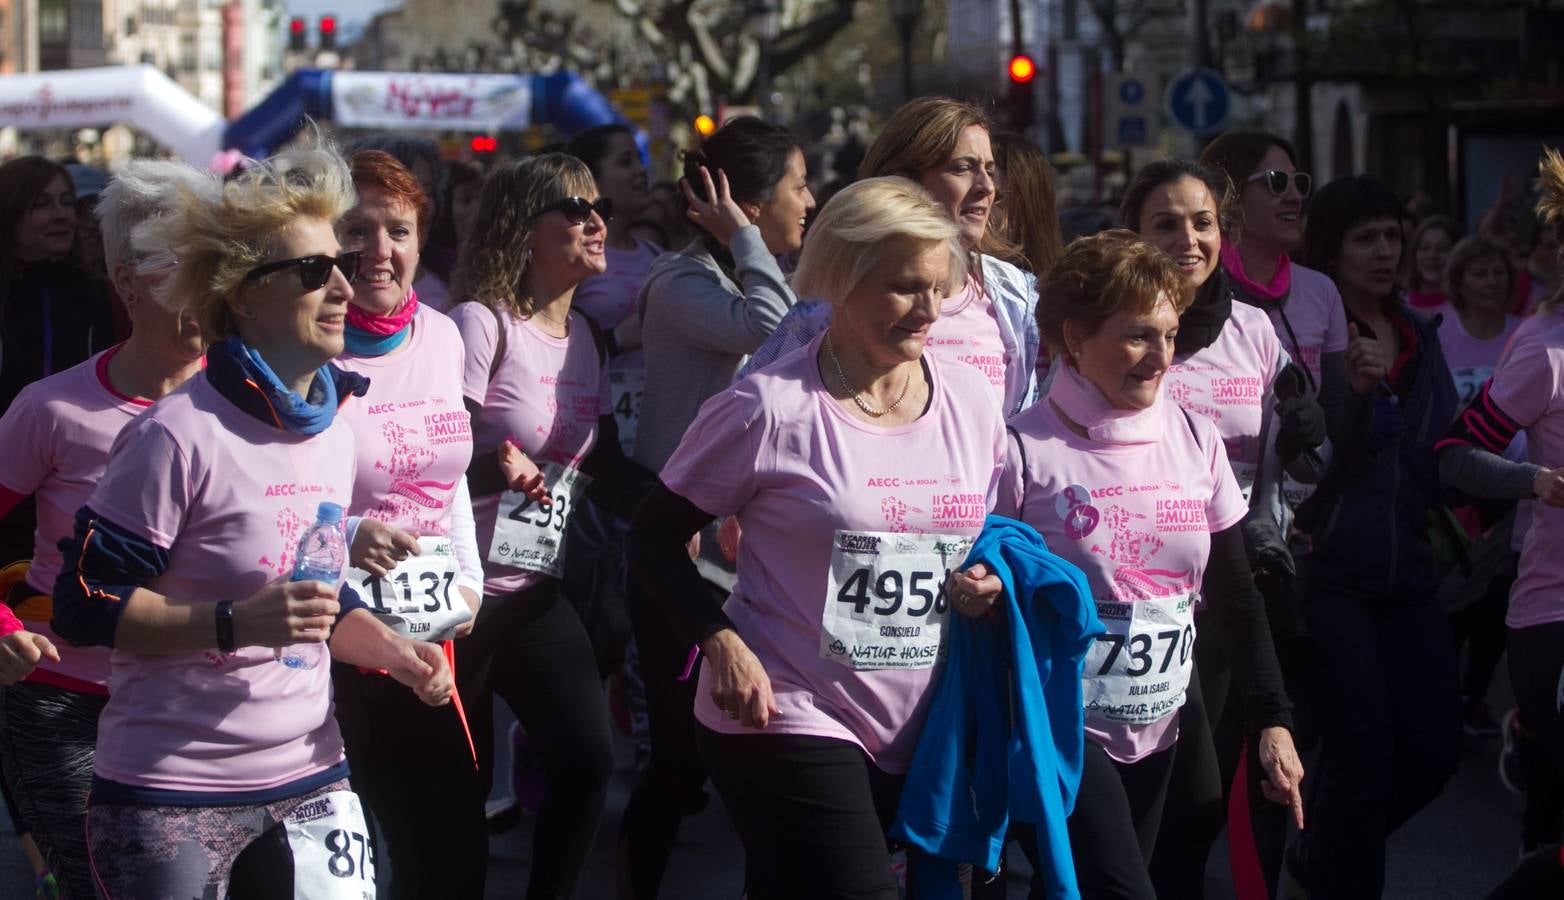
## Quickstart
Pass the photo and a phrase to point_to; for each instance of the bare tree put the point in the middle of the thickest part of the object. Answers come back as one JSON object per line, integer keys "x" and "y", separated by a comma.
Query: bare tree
{"x": 1122, "y": 20}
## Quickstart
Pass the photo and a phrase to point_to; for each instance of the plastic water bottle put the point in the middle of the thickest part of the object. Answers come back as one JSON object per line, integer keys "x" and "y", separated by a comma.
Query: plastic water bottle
{"x": 322, "y": 551}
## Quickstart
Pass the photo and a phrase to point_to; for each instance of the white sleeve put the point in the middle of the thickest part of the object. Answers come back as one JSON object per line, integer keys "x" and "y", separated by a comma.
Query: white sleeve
{"x": 464, "y": 540}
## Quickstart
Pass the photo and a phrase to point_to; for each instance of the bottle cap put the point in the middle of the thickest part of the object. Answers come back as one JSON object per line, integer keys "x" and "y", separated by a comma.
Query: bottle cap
{"x": 329, "y": 513}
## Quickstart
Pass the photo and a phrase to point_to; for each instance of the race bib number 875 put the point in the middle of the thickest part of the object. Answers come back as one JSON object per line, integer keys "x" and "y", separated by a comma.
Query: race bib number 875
{"x": 885, "y": 602}
{"x": 332, "y": 856}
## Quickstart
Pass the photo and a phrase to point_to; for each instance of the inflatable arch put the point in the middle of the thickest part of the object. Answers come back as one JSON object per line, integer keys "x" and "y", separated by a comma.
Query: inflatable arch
{"x": 406, "y": 101}
{"x": 137, "y": 95}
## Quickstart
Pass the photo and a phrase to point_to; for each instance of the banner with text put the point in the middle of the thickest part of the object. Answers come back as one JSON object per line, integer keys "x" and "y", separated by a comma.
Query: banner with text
{"x": 431, "y": 100}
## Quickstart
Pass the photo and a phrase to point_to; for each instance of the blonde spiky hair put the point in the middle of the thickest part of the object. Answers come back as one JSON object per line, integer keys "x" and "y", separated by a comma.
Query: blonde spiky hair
{"x": 1550, "y": 178}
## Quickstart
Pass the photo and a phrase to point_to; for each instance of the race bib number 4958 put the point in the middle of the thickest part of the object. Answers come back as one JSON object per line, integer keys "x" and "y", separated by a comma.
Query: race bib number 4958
{"x": 531, "y": 536}
{"x": 885, "y": 604}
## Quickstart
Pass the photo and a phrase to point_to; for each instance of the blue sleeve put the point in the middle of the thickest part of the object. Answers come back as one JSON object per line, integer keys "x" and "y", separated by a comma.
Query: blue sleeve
{"x": 102, "y": 565}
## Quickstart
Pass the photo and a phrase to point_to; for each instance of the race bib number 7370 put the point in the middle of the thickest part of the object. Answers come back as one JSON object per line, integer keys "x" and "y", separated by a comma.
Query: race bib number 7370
{"x": 885, "y": 604}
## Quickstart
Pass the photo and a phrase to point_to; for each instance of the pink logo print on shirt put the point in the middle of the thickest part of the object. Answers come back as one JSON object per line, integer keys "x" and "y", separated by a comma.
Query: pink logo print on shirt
{"x": 895, "y": 512}
{"x": 1074, "y": 506}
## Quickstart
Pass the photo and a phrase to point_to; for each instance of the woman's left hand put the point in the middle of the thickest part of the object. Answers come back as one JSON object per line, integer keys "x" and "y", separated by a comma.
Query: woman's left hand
{"x": 974, "y": 591}
{"x": 1283, "y": 770}
{"x": 378, "y": 547}
{"x": 421, "y": 666}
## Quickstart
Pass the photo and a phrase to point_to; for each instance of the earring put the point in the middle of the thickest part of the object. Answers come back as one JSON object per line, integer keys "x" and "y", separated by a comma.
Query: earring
{"x": 528, "y": 260}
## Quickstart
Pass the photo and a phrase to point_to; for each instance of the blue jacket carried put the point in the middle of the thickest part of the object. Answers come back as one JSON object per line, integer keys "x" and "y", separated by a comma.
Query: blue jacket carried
{"x": 1005, "y": 734}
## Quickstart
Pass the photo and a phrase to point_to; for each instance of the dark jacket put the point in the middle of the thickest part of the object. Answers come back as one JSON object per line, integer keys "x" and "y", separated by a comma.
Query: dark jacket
{"x": 1369, "y": 521}
{"x": 56, "y": 315}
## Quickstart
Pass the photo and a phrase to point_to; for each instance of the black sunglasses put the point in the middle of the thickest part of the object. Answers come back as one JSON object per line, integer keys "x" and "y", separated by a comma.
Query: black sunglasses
{"x": 314, "y": 271}
{"x": 1276, "y": 181}
{"x": 578, "y": 211}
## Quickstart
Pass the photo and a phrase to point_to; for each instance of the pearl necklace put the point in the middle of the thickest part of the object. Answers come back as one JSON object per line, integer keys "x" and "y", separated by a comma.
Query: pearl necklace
{"x": 856, "y": 395}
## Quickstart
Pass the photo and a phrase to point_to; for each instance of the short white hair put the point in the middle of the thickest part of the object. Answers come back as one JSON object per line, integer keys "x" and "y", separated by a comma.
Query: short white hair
{"x": 847, "y": 239}
{"x": 143, "y": 190}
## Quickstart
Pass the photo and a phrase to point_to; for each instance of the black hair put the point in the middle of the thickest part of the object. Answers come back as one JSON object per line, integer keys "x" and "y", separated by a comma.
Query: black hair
{"x": 591, "y": 146}
{"x": 1340, "y": 206}
{"x": 1166, "y": 171}
{"x": 752, "y": 152}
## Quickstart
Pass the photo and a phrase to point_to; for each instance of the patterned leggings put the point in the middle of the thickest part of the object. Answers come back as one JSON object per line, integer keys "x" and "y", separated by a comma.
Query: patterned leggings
{"x": 205, "y": 852}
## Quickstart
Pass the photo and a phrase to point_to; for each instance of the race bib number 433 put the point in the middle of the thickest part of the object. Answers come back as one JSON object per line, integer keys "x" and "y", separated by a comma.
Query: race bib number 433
{"x": 531, "y": 536}
{"x": 1138, "y": 671}
{"x": 417, "y": 599}
{"x": 885, "y": 604}
{"x": 332, "y": 856}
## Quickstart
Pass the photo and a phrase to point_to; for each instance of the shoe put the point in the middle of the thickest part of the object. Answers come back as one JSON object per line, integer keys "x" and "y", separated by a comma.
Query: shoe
{"x": 502, "y": 815}
{"x": 1476, "y": 721}
{"x": 46, "y": 887}
{"x": 1512, "y": 771}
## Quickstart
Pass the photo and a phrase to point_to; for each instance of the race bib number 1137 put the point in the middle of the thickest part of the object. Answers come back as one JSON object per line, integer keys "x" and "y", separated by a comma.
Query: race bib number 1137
{"x": 885, "y": 605}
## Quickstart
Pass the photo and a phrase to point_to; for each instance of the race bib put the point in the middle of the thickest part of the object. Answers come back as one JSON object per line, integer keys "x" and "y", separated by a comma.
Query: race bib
{"x": 626, "y": 387}
{"x": 1469, "y": 380}
{"x": 528, "y": 535}
{"x": 417, "y": 599}
{"x": 1296, "y": 491}
{"x": 332, "y": 856}
{"x": 1245, "y": 473}
{"x": 885, "y": 603}
{"x": 1138, "y": 671}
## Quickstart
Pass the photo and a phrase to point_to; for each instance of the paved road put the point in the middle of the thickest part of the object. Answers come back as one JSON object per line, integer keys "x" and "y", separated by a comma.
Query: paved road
{"x": 1455, "y": 850}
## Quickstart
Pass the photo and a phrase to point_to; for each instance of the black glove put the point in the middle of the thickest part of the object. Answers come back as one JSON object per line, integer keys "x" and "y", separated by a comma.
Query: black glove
{"x": 1268, "y": 552}
{"x": 1300, "y": 420}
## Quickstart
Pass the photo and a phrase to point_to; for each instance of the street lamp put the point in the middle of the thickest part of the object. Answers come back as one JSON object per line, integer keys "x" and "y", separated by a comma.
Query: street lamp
{"x": 905, "y": 13}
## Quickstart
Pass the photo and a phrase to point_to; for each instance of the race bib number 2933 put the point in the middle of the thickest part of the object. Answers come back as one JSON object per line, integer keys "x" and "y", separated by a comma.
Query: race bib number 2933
{"x": 531, "y": 536}
{"x": 885, "y": 604}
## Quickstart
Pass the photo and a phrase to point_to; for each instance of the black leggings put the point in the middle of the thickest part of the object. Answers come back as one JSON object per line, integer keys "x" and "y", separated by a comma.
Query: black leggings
{"x": 47, "y": 738}
{"x": 414, "y": 771}
{"x": 530, "y": 648}
{"x": 812, "y": 813}
{"x": 1113, "y": 829}
{"x": 1536, "y": 675}
{"x": 1480, "y": 627}
{"x": 674, "y": 775}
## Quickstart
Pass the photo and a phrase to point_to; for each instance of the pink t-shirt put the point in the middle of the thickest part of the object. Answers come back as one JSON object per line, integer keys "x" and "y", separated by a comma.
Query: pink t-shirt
{"x": 58, "y": 433}
{"x": 1528, "y": 385}
{"x": 546, "y": 396}
{"x": 779, "y": 452}
{"x": 1470, "y": 360}
{"x": 1318, "y": 319}
{"x": 1432, "y": 300}
{"x": 413, "y": 433}
{"x": 228, "y": 497}
{"x": 1229, "y": 382}
{"x": 967, "y": 332}
{"x": 1137, "y": 518}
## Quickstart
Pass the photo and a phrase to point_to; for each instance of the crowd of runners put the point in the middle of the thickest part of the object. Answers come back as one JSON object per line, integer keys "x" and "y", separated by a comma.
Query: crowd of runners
{"x": 910, "y": 527}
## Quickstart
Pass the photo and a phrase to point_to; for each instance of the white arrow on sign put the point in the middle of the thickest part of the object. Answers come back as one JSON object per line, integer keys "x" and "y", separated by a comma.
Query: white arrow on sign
{"x": 1199, "y": 98}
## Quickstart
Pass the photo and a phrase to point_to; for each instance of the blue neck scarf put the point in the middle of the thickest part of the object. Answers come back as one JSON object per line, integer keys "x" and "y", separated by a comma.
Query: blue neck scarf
{"x": 233, "y": 366}
{"x": 363, "y": 343}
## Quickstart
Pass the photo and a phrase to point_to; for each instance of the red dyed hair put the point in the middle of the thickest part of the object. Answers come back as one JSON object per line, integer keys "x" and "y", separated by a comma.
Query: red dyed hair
{"x": 379, "y": 169}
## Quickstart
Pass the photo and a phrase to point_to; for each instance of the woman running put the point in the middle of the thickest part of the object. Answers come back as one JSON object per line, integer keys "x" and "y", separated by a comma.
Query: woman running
{"x": 861, "y": 469}
{"x": 535, "y": 380}
{"x": 218, "y": 758}
{"x": 1140, "y": 494}
{"x": 423, "y": 576}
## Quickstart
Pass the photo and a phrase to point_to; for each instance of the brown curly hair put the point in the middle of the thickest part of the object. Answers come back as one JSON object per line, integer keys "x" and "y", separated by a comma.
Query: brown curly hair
{"x": 492, "y": 267}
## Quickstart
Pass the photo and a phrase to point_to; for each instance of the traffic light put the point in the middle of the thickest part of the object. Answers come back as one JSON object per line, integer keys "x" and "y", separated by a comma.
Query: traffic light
{"x": 483, "y": 143}
{"x": 328, "y": 32}
{"x": 296, "y": 34}
{"x": 705, "y": 125}
{"x": 1023, "y": 73}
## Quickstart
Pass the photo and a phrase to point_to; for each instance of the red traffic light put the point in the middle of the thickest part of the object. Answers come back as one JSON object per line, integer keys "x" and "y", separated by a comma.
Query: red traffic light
{"x": 483, "y": 143}
{"x": 296, "y": 25}
{"x": 328, "y": 24}
{"x": 1022, "y": 68}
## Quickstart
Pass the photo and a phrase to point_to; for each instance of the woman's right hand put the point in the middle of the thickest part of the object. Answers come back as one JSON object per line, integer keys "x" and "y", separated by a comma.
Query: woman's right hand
{"x": 1366, "y": 360}
{"x": 521, "y": 473}
{"x": 1549, "y": 486}
{"x": 20, "y": 653}
{"x": 722, "y": 217}
{"x": 739, "y": 685}
{"x": 286, "y": 612}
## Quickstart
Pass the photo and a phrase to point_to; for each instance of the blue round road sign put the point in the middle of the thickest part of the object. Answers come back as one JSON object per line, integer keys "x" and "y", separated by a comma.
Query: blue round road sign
{"x": 1199, "y": 101}
{"x": 1131, "y": 92}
